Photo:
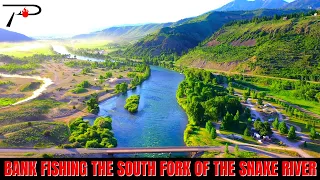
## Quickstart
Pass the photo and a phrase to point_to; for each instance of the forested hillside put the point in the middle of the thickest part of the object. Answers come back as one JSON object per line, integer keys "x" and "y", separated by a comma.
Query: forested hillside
{"x": 170, "y": 42}
{"x": 283, "y": 46}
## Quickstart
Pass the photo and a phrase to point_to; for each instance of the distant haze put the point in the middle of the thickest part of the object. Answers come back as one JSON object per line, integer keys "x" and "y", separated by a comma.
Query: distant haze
{"x": 67, "y": 18}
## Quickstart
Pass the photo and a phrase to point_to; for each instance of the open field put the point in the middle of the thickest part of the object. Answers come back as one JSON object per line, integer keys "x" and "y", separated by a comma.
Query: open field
{"x": 288, "y": 96}
{"x": 313, "y": 148}
{"x": 91, "y": 44}
{"x": 25, "y": 49}
{"x": 14, "y": 89}
{"x": 34, "y": 134}
{"x": 281, "y": 151}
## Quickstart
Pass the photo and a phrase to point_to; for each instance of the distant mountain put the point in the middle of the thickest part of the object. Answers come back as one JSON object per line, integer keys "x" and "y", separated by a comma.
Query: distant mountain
{"x": 131, "y": 32}
{"x": 9, "y": 36}
{"x": 245, "y": 5}
{"x": 170, "y": 42}
{"x": 303, "y": 4}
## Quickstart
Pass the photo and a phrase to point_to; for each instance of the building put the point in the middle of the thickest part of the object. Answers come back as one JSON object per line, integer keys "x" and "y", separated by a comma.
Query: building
{"x": 285, "y": 18}
{"x": 315, "y": 14}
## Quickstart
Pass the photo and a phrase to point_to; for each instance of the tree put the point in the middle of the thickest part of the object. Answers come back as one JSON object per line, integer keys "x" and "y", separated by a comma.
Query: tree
{"x": 196, "y": 112}
{"x": 209, "y": 126}
{"x": 318, "y": 96}
{"x": 305, "y": 144}
{"x": 313, "y": 133}
{"x": 262, "y": 95}
{"x": 283, "y": 128}
{"x": 307, "y": 125}
{"x": 236, "y": 119}
{"x": 227, "y": 121}
{"x": 226, "y": 150}
{"x": 93, "y": 104}
{"x": 213, "y": 133}
{"x": 246, "y": 132}
{"x": 257, "y": 125}
{"x": 275, "y": 123}
{"x": 247, "y": 113}
{"x": 245, "y": 97}
{"x": 236, "y": 150}
{"x": 292, "y": 133}
{"x": 260, "y": 102}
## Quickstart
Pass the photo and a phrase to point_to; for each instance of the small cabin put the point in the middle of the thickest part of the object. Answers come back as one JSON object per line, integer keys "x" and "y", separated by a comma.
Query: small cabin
{"x": 285, "y": 18}
{"x": 315, "y": 14}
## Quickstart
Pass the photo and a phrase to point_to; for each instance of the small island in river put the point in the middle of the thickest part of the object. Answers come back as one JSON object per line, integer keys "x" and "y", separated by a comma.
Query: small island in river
{"x": 132, "y": 103}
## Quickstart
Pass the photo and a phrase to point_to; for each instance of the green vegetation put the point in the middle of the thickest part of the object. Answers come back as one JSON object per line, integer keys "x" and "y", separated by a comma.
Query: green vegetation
{"x": 292, "y": 133}
{"x": 99, "y": 135}
{"x": 84, "y": 84}
{"x": 47, "y": 155}
{"x": 8, "y": 101}
{"x": 15, "y": 64}
{"x": 263, "y": 128}
{"x": 132, "y": 103}
{"x": 281, "y": 151}
{"x": 313, "y": 133}
{"x": 30, "y": 87}
{"x": 34, "y": 134}
{"x": 312, "y": 149}
{"x": 283, "y": 128}
{"x": 301, "y": 93}
{"x": 33, "y": 110}
{"x": 93, "y": 104}
{"x": 138, "y": 79}
{"x": 268, "y": 46}
{"x": 122, "y": 88}
{"x": 79, "y": 90}
{"x": 206, "y": 102}
{"x": 169, "y": 43}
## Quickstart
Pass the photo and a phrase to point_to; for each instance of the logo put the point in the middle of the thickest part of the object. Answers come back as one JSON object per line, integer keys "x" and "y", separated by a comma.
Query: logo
{"x": 24, "y": 13}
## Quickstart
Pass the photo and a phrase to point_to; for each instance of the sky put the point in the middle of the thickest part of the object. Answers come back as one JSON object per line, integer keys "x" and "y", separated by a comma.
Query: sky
{"x": 71, "y": 17}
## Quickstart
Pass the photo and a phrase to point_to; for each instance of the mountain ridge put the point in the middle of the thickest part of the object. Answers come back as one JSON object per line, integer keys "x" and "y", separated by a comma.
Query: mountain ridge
{"x": 170, "y": 42}
{"x": 10, "y": 36}
{"x": 245, "y": 5}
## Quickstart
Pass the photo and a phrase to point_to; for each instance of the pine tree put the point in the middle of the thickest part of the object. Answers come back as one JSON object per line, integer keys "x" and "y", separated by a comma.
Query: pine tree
{"x": 213, "y": 133}
{"x": 305, "y": 144}
{"x": 236, "y": 150}
{"x": 226, "y": 150}
{"x": 313, "y": 134}
{"x": 275, "y": 123}
{"x": 283, "y": 128}
{"x": 292, "y": 133}
{"x": 246, "y": 132}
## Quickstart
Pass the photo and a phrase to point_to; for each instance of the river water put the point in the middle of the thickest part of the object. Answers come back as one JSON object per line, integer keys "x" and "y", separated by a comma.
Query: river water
{"x": 160, "y": 121}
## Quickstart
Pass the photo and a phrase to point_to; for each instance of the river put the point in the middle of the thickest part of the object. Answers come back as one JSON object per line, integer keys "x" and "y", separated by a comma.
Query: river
{"x": 160, "y": 121}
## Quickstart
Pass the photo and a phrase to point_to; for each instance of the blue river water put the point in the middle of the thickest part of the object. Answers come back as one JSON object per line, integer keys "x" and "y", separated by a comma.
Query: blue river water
{"x": 159, "y": 122}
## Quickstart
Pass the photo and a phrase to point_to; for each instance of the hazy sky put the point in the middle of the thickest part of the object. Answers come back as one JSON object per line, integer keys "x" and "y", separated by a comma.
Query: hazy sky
{"x": 69, "y": 17}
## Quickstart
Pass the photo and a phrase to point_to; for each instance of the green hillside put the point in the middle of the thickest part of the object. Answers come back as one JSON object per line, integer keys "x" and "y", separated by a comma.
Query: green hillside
{"x": 170, "y": 42}
{"x": 280, "y": 46}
